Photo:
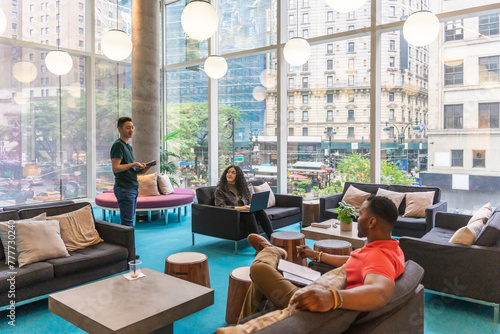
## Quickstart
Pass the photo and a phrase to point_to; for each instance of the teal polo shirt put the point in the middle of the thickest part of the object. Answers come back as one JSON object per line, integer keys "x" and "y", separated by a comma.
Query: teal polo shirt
{"x": 128, "y": 178}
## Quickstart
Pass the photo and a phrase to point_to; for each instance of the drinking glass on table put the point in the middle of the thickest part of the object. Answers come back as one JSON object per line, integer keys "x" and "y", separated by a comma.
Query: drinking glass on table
{"x": 135, "y": 268}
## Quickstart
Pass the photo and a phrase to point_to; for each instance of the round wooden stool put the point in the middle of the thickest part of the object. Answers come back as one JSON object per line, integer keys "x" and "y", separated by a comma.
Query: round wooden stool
{"x": 289, "y": 242}
{"x": 310, "y": 212}
{"x": 189, "y": 266}
{"x": 239, "y": 282}
{"x": 332, "y": 246}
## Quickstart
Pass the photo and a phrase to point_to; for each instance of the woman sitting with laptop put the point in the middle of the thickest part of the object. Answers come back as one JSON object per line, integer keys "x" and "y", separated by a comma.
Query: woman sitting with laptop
{"x": 233, "y": 192}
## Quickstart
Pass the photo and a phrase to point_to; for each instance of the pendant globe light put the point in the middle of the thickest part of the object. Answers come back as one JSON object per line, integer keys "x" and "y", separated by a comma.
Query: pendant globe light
{"x": 259, "y": 93}
{"x": 421, "y": 28}
{"x": 58, "y": 61}
{"x": 24, "y": 71}
{"x": 3, "y": 21}
{"x": 215, "y": 67}
{"x": 116, "y": 43}
{"x": 345, "y": 6}
{"x": 297, "y": 51}
{"x": 199, "y": 20}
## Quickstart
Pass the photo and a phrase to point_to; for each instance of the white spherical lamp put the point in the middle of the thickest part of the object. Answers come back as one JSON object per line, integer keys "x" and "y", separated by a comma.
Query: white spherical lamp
{"x": 297, "y": 51}
{"x": 116, "y": 44}
{"x": 199, "y": 20}
{"x": 345, "y": 6}
{"x": 24, "y": 71}
{"x": 21, "y": 98}
{"x": 3, "y": 21}
{"x": 259, "y": 93}
{"x": 421, "y": 28}
{"x": 215, "y": 67}
{"x": 58, "y": 62}
{"x": 268, "y": 78}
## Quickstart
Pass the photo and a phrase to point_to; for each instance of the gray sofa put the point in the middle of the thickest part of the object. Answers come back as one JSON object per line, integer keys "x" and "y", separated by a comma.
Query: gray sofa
{"x": 403, "y": 314}
{"x": 88, "y": 264}
{"x": 405, "y": 226}
{"x": 464, "y": 271}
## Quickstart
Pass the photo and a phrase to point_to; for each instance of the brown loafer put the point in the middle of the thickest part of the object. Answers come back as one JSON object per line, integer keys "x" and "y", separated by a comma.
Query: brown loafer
{"x": 258, "y": 243}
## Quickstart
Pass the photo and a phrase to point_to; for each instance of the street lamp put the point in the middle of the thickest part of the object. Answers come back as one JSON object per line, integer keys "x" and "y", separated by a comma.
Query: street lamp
{"x": 230, "y": 122}
{"x": 401, "y": 134}
{"x": 329, "y": 131}
{"x": 255, "y": 148}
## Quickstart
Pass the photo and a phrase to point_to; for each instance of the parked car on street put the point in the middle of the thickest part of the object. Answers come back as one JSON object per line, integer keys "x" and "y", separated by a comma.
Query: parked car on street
{"x": 48, "y": 196}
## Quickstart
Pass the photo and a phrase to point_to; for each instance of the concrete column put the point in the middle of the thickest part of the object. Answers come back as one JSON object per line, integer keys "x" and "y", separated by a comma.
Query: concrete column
{"x": 146, "y": 80}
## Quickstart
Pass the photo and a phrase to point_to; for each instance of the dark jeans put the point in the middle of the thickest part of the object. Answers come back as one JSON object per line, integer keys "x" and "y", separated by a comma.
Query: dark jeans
{"x": 127, "y": 202}
{"x": 250, "y": 220}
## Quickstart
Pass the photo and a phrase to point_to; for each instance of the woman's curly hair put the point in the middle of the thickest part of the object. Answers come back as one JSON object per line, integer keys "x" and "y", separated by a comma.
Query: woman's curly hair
{"x": 241, "y": 182}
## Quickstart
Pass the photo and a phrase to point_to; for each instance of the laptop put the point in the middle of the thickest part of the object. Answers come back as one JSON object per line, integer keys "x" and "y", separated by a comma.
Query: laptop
{"x": 259, "y": 201}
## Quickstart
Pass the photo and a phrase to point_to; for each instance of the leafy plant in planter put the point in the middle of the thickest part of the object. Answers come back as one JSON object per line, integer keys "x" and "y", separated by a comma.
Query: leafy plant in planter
{"x": 169, "y": 166}
{"x": 346, "y": 213}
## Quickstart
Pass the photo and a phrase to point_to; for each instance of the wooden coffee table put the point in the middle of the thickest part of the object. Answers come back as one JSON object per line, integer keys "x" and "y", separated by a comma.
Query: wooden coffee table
{"x": 318, "y": 233}
{"x": 116, "y": 305}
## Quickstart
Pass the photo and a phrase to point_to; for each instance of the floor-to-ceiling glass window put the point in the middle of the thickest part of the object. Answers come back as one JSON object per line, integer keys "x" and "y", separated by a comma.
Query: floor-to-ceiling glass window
{"x": 44, "y": 116}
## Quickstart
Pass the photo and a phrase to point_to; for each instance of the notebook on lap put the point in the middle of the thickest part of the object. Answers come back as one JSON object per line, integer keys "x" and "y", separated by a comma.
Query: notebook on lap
{"x": 259, "y": 201}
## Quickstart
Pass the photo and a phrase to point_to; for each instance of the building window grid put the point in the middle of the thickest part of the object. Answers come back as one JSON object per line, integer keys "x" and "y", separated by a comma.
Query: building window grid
{"x": 489, "y": 69}
{"x": 488, "y": 24}
{"x": 478, "y": 158}
{"x": 457, "y": 158}
{"x": 453, "y": 116}
{"x": 305, "y": 115}
{"x": 453, "y": 30}
{"x": 488, "y": 115}
{"x": 329, "y": 115}
{"x": 454, "y": 75}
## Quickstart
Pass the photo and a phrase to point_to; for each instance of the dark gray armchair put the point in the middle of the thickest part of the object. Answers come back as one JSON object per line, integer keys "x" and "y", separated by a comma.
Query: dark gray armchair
{"x": 403, "y": 314}
{"x": 224, "y": 223}
{"x": 459, "y": 270}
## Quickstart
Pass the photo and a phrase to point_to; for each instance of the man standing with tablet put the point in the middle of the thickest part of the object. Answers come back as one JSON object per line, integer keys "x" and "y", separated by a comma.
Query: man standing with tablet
{"x": 125, "y": 169}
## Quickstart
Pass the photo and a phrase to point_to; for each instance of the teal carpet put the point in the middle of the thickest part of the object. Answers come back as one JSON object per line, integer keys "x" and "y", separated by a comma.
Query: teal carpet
{"x": 155, "y": 242}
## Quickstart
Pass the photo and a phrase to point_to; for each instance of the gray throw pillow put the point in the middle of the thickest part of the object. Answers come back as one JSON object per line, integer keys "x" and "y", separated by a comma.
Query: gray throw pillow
{"x": 490, "y": 233}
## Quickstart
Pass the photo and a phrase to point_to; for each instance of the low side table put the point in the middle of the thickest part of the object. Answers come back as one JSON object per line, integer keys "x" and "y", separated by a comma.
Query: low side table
{"x": 289, "y": 242}
{"x": 310, "y": 212}
{"x": 239, "y": 282}
{"x": 189, "y": 266}
{"x": 332, "y": 246}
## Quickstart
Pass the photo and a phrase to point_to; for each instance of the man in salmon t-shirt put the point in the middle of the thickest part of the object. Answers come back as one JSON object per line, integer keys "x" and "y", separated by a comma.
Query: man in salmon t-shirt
{"x": 370, "y": 271}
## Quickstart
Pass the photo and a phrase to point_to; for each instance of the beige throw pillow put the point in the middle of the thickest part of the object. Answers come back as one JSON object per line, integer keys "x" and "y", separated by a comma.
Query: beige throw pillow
{"x": 5, "y": 227}
{"x": 394, "y": 196}
{"x": 164, "y": 184}
{"x": 265, "y": 187}
{"x": 467, "y": 235}
{"x": 148, "y": 185}
{"x": 417, "y": 202}
{"x": 78, "y": 228}
{"x": 355, "y": 197}
{"x": 482, "y": 214}
{"x": 38, "y": 241}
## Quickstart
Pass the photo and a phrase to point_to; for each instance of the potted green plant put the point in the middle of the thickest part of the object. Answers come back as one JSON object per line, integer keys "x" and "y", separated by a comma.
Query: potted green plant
{"x": 316, "y": 191}
{"x": 346, "y": 213}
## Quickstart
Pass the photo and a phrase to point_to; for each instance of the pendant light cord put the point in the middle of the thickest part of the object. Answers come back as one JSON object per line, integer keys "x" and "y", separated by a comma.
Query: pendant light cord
{"x": 60, "y": 104}
{"x": 58, "y": 25}
{"x": 117, "y": 74}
